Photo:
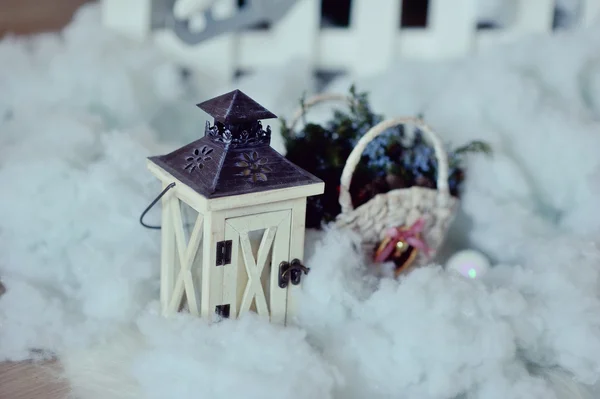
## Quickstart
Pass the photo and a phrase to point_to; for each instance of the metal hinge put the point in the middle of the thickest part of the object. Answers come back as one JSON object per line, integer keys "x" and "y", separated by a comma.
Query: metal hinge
{"x": 224, "y": 252}
{"x": 291, "y": 272}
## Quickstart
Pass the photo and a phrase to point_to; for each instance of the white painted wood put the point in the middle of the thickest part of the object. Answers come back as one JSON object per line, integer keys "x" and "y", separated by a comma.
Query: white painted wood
{"x": 590, "y": 10}
{"x": 418, "y": 44}
{"x": 531, "y": 17}
{"x": 259, "y": 209}
{"x": 254, "y": 290}
{"x": 335, "y": 49}
{"x": 184, "y": 267}
{"x": 241, "y": 284}
{"x": 185, "y": 281}
{"x": 264, "y": 48}
{"x": 297, "y": 235}
{"x": 534, "y": 16}
{"x": 213, "y": 63}
{"x": 453, "y": 25}
{"x": 203, "y": 205}
{"x": 369, "y": 45}
{"x": 376, "y": 29}
{"x": 129, "y": 17}
{"x": 180, "y": 236}
{"x": 216, "y": 58}
{"x": 278, "y": 297}
{"x": 257, "y": 221}
{"x": 234, "y": 275}
{"x": 256, "y": 49}
{"x": 275, "y": 240}
{"x": 302, "y": 23}
{"x": 265, "y": 197}
{"x": 167, "y": 260}
{"x": 212, "y": 275}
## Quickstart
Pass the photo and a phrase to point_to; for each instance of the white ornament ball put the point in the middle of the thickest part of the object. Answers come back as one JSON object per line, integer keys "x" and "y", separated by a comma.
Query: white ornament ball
{"x": 469, "y": 263}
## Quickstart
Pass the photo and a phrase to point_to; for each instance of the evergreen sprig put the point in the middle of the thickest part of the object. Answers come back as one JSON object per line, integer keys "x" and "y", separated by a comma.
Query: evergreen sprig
{"x": 388, "y": 161}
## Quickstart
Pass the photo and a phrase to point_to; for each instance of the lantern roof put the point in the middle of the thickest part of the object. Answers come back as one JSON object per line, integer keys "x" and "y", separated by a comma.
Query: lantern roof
{"x": 235, "y": 107}
{"x": 234, "y": 157}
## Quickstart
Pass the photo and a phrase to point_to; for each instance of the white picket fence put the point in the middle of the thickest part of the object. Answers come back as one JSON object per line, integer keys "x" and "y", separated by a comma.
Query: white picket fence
{"x": 367, "y": 46}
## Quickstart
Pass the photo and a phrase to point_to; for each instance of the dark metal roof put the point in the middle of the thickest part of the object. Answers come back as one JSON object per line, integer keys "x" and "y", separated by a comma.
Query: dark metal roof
{"x": 214, "y": 169}
{"x": 235, "y": 107}
{"x": 233, "y": 159}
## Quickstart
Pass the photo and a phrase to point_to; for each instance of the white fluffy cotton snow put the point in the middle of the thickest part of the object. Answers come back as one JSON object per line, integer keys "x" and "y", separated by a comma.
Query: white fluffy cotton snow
{"x": 74, "y": 133}
{"x": 80, "y": 111}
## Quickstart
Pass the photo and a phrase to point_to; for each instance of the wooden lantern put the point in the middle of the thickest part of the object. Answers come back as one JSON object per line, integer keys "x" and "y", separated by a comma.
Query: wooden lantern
{"x": 245, "y": 246}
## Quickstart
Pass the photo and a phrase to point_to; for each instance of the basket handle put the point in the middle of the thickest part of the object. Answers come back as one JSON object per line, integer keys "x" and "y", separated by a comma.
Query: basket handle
{"x": 314, "y": 100}
{"x": 442, "y": 180}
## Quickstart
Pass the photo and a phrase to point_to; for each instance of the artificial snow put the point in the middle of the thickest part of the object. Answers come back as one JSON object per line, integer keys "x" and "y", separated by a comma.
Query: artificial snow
{"x": 80, "y": 111}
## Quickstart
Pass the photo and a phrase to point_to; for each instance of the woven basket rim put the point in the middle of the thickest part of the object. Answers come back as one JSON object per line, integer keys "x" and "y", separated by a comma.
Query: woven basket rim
{"x": 395, "y": 192}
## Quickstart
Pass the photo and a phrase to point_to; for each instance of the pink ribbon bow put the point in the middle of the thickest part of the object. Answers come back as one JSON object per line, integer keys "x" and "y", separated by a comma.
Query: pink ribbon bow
{"x": 409, "y": 236}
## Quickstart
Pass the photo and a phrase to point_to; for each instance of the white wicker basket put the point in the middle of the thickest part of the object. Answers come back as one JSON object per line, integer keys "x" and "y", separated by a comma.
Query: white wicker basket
{"x": 399, "y": 207}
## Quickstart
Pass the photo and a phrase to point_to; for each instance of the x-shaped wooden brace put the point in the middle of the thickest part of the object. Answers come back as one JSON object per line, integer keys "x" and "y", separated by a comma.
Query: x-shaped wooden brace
{"x": 254, "y": 269}
{"x": 185, "y": 281}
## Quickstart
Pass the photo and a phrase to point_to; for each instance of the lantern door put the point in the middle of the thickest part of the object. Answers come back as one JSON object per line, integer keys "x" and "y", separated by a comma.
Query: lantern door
{"x": 259, "y": 243}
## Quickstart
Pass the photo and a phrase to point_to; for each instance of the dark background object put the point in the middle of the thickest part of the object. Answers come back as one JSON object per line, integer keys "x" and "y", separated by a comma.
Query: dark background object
{"x": 414, "y": 13}
{"x": 234, "y": 157}
{"x": 31, "y": 16}
{"x": 337, "y": 13}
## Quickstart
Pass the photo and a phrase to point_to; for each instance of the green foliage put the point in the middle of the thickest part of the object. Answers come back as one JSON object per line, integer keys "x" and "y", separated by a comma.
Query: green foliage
{"x": 387, "y": 163}
{"x": 323, "y": 150}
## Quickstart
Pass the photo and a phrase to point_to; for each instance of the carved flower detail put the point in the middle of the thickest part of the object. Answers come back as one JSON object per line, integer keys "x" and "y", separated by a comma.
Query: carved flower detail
{"x": 197, "y": 159}
{"x": 254, "y": 167}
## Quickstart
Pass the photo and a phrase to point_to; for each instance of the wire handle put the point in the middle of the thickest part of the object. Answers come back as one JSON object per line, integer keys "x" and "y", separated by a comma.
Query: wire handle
{"x": 314, "y": 100}
{"x": 163, "y": 192}
{"x": 345, "y": 199}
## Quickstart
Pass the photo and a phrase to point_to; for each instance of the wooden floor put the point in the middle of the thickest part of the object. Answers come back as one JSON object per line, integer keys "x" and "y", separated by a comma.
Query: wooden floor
{"x": 29, "y": 381}
{"x": 26, "y": 380}
{"x": 29, "y": 16}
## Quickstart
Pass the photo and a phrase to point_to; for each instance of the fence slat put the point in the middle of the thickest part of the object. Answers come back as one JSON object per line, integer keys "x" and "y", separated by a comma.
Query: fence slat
{"x": 375, "y": 29}
{"x": 130, "y": 17}
{"x": 336, "y": 49}
{"x": 213, "y": 62}
{"x": 531, "y": 17}
{"x": 453, "y": 25}
{"x": 368, "y": 46}
{"x": 295, "y": 36}
{"x": 534, "y": 16}
{"x": 297, "y": 32}
{"x": 256, "y": 49}
{"x": 590, "y": 12}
